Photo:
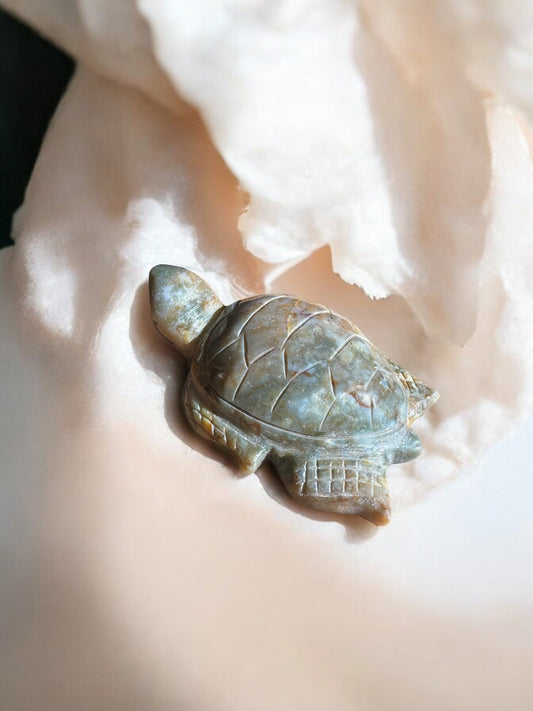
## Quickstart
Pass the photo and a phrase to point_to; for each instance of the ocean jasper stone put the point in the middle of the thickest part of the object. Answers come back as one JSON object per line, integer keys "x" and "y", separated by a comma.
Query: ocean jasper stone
{"x": 274, "y": 377}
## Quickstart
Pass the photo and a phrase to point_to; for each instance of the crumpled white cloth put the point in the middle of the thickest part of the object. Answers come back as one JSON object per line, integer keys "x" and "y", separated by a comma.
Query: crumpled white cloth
{"x": 334, "y": 150}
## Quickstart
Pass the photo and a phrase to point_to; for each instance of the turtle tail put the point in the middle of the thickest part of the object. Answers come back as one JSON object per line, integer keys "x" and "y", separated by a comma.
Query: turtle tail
{"x": 421, "y": 396}
{"x": 182, "y": 304}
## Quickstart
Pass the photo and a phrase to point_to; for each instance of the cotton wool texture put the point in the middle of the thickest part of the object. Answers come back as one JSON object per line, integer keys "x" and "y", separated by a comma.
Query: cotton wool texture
{"x": 374, "y": 157}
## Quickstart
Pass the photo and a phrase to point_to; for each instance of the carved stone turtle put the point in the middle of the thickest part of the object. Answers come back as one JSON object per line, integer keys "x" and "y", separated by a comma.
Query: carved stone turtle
{"x": 274, "y": 377}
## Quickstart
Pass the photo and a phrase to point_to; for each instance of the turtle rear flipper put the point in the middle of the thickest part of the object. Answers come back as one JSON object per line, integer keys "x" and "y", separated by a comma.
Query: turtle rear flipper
{"x": 351, "y": 486}
{"x": 421, "y": 396}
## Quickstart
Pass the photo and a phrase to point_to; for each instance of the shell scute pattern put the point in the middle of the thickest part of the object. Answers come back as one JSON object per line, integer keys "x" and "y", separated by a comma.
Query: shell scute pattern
{"x": 317, "y": 373}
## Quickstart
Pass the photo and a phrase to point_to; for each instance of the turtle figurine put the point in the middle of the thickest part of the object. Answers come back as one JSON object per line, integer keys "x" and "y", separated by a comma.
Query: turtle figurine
{"x": 276, "y": 378}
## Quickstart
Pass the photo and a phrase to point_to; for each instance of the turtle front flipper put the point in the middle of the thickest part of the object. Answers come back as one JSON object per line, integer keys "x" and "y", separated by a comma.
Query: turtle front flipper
{"x": 247, "y": 450}
{"x": 351, "y": 486}
{"x": 421, "y": 396}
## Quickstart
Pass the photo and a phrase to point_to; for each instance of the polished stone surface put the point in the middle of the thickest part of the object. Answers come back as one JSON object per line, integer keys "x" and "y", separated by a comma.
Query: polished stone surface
{"x": 274, "y": 377}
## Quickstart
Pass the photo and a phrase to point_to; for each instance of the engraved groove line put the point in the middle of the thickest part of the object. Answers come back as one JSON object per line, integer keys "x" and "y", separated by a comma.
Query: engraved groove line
{"x": 248, "y": 367}
{"x": 302, "y": 372}
{"x": 324, "y": 473}
{"x": 243, "y": 325}
{"x": 302, "y": 323}
{"x": 341, "y": 347}
{"x": 291, "y": 380}
{"x": 363, "y": 392}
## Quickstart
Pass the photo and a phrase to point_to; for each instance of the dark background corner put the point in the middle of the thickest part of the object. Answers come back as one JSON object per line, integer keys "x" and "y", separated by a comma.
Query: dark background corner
{"x": 33, "y": 76}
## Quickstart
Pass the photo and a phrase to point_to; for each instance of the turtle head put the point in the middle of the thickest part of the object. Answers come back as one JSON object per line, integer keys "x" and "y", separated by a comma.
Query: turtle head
{"x": 182, "y": 305}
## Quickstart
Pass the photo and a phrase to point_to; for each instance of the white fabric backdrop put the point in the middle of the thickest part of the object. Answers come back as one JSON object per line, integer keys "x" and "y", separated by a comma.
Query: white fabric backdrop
{"x": 389, "y": 141}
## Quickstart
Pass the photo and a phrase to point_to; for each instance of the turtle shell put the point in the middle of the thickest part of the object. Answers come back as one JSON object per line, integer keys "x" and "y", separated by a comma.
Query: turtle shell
{"x": 300, "y": 367}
